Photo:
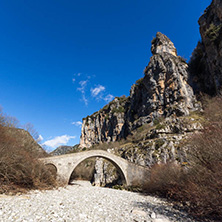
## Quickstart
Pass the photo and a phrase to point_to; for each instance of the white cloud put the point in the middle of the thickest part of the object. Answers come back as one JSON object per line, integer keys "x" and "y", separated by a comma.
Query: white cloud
{"x": 82, "y": 89}
{"x": 85, "y": 100}
{"x": 108, "y": 98}
{"x": 83, "y": 85}
{"x": 59, "y": 140}
{"x": 40, "y": 138}
{"x": 97, "y": 93}
{"x": 78, "y": 123}
{"x": 97, "y": 90}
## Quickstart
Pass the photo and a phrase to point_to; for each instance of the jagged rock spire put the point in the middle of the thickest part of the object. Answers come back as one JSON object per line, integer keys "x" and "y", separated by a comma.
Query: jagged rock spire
{"x": 162, "y": 44}
{"x": 163, "y": 92}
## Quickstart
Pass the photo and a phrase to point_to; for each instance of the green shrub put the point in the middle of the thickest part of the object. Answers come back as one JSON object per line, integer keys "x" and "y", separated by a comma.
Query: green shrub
{"x": 160, "y": 126}
{"x": 213, "y": 31}
{"x": 158, "y": 121}
{"x": 120, "y": 109}
{"x": 159, "y": 143}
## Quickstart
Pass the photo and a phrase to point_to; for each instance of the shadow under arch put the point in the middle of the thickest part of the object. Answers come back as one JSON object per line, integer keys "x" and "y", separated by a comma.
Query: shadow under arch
{"x": 119, "y": 169}
{"x": 52, "y": 168}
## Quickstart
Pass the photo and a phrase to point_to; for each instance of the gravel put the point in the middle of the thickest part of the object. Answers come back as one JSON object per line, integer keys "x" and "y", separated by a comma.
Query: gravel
{"x": 82, "y": 202}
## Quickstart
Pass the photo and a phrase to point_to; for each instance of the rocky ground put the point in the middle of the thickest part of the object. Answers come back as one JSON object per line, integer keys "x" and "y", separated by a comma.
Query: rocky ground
{"x": 82, "y": 202}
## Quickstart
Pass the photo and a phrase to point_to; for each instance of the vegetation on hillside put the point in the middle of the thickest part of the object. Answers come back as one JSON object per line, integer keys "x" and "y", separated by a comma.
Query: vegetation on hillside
{"x": 213, "y": 32}
{"x": 19, "y": 166}
{"x": 198, "y": 183}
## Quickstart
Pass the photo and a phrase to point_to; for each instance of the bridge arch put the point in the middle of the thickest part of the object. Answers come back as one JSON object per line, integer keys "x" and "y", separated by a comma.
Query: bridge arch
{"x": 118, "y": 166}
{"x": 52, "y": 167}
{"x": 132, "y": 174}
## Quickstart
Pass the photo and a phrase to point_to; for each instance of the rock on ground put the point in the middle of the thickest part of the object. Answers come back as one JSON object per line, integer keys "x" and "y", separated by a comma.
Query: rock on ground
{"x": 84, "y": 203}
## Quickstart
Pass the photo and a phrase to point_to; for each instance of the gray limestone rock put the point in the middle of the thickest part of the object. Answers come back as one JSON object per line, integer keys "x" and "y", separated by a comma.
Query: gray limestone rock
{"x": 163, "y": 91}
{"x": 206, "y": 61}
{"x": 105, "y": 173}
{"x": 106, "y": 125}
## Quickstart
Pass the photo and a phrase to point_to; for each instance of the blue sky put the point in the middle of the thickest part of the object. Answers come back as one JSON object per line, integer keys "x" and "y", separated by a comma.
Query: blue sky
{"x": 61, "y": 60}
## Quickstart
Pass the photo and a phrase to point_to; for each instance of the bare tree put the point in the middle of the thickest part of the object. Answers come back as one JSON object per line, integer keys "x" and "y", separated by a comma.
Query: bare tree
{"x": 30, "y": 128}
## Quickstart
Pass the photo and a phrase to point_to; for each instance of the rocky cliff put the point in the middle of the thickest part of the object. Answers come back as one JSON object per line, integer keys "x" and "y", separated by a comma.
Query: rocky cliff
{"x": 153, "y": 121}
{"x": 162, "y": 92}
{"x": 206, "y": 61}
{"x": 106, "y": 125}
{"x": 152, "y": 124}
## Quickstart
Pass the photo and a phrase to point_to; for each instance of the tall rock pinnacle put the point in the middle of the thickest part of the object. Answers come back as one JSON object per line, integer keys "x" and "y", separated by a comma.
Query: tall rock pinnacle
{"x": 162, "y": 92}
{"x": 162, "y": 44}
{"x": 164, "y": 89}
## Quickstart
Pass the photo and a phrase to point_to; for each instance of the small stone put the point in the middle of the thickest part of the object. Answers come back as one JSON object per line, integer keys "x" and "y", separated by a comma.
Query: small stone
{"x": 139, "y": 212}
{"x": 82, "y": 215}
{"x": 153, "y": 215}
{"x": 161, "y": 220}
{"x": 83, "y": 203}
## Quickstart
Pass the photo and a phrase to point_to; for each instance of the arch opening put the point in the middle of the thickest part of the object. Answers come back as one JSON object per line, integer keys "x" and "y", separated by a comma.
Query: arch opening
{"x": 52, "y": 168}
{"x": 99, "y": 170}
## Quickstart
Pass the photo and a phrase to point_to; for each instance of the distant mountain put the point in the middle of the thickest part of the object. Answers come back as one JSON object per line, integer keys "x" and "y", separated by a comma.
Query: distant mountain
{"x": 63, "y": 150}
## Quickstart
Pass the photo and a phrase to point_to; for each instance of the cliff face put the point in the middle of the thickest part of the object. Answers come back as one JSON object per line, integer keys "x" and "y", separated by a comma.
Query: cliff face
{"x": 206, "y": 61}
{"x": 106, "y": 125}
{"x": 163, "y": 91}
{"x": 149, "y": 144}
{"x": 105, "y": 173}
{"x": 161, "y": 111}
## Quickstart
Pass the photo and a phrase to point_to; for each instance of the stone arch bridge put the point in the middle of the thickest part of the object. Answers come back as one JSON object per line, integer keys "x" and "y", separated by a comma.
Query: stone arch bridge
{"x": 132, "y": 174}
